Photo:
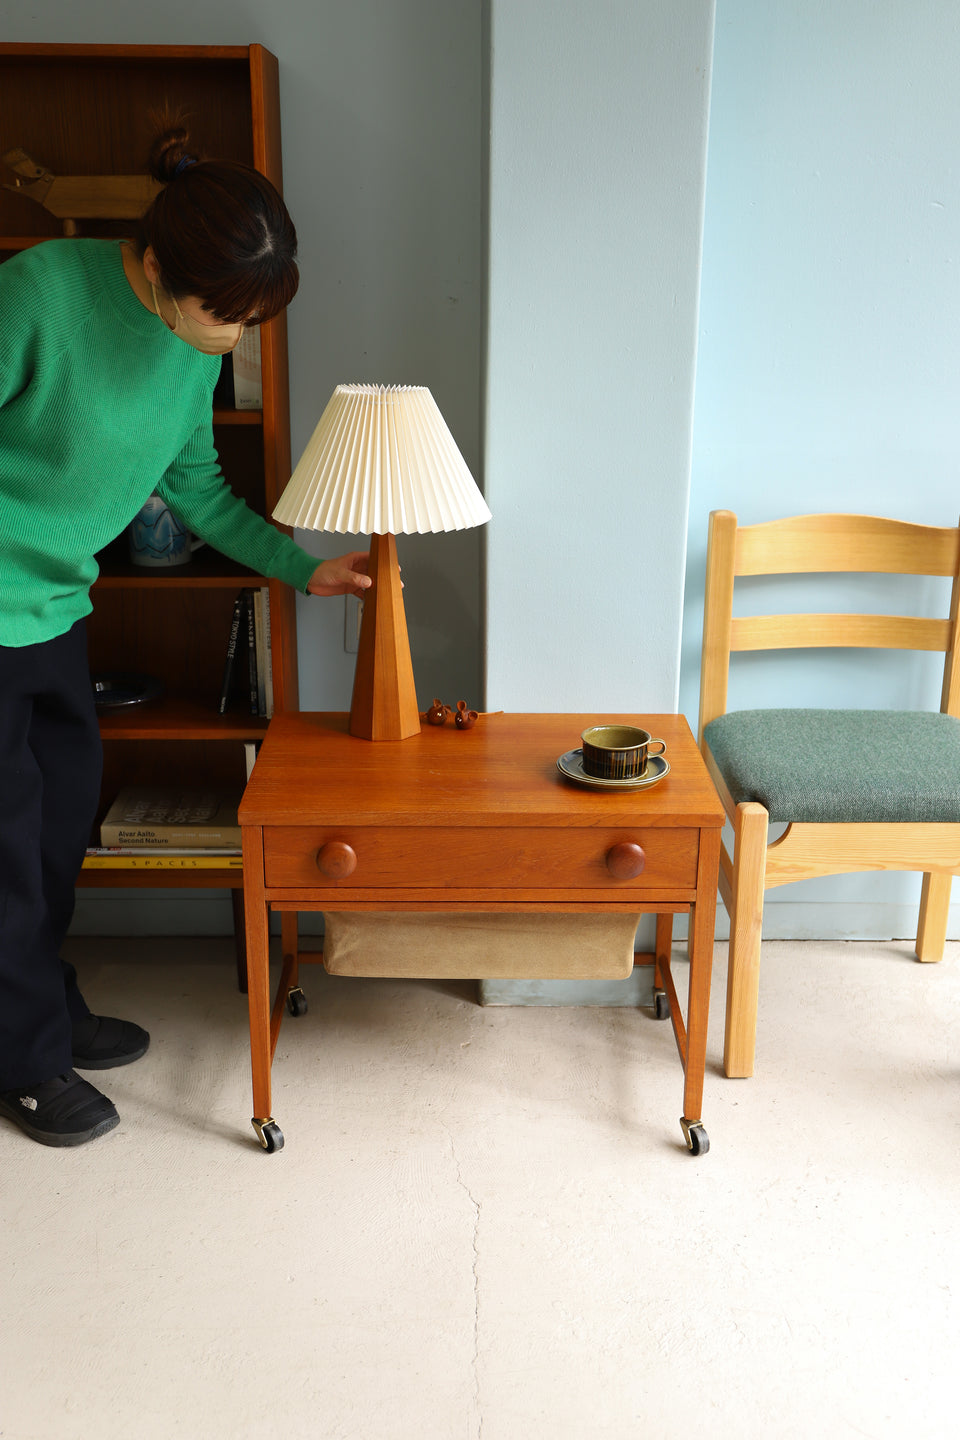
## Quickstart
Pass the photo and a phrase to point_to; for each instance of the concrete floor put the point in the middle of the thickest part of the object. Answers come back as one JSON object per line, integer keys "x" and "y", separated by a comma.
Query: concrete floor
{"x": 484, "y": 1225}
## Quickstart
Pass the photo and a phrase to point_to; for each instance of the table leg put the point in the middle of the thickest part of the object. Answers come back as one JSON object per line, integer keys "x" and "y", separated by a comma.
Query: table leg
{"x": 290, "y": 949}
{"x": 702, "y": 922}
{"x": 239, "y": 938}
{"x": 258, "y": 987}
{"x": 662, "y": 948}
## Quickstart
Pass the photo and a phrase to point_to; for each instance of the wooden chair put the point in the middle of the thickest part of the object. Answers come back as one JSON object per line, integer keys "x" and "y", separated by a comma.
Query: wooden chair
{"x": 832, "y": 775}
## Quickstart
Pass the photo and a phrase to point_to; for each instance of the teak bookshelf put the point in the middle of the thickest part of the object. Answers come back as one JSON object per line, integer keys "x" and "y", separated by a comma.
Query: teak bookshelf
{"x": 90, "y": 110}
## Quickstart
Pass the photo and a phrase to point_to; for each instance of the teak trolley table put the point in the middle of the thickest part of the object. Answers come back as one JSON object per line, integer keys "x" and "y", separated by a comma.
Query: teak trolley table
{"x": 475, "y": 820}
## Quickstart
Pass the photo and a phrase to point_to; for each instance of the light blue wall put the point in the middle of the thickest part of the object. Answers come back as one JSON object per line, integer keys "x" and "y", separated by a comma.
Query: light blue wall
{"x": 597, "y": 152}
{"x": 828, "y": 335}
{"x": 829, "y": 348}
{"x": 598, "y": 118}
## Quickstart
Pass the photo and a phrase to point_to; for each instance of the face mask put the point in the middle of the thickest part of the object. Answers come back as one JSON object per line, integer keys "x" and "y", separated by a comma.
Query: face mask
{"x": 209, "y": 339}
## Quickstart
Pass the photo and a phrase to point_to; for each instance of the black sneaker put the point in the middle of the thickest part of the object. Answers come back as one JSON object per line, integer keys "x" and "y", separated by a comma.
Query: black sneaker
{"x": 101, "y": 1042}
{"x": 63, "y": 1111}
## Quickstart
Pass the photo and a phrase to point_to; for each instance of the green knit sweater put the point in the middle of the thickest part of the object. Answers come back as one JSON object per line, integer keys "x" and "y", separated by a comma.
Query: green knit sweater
{"x": 100, "y": 404}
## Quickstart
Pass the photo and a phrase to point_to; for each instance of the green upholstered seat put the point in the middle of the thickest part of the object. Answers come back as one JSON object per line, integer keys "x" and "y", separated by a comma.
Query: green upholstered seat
{"x": 851, "y": 766}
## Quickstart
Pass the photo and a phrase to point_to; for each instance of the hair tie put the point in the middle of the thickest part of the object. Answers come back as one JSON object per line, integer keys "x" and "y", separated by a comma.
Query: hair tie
{"x": 182, "y": 165}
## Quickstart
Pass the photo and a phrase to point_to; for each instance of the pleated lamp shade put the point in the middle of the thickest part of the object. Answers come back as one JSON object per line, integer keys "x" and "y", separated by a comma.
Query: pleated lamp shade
{"x": 381, "y": 462}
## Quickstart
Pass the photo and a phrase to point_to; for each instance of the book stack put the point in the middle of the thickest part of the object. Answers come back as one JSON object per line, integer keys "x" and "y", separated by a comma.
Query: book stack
{"x": 247, "y": 381}
{"x": 248, "y": 665}
{"x": 166, "y": 829}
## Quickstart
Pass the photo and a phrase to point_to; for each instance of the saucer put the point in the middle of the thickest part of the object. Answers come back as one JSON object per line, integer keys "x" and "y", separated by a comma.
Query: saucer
{"x": 571, "y": 765}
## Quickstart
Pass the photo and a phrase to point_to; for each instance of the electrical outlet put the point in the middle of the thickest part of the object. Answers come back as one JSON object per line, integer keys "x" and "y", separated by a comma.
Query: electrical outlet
{"x": 352, "y": 620}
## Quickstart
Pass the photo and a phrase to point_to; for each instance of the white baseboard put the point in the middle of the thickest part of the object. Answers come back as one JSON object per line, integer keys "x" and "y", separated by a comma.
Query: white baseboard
{"x": 165, "y": 912}
{"x": 209, "y": 912}
{"x": 835, "y": 920}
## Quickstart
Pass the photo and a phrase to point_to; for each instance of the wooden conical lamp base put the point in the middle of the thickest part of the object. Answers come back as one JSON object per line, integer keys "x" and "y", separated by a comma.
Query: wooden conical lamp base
{"x": 384, "y": 704}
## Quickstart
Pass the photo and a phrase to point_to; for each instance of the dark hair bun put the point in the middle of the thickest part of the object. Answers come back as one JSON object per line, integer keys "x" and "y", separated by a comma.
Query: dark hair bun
{"x": 169, "y": 150}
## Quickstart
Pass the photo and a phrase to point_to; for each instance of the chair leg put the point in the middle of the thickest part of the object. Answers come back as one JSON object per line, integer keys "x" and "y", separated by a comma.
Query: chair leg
{"x": 934, "y": 912}
{"x": 746, "y": 924}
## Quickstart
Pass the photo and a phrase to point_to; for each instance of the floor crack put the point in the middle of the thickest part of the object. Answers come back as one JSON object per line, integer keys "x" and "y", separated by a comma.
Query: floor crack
{"x": 476, "y": 1281}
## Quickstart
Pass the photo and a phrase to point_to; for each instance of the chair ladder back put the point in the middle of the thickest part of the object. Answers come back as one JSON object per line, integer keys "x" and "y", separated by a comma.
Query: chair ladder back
{"x": 823, "y": 631}
{"x": 820, "y": 544}
{"x": 846, "y": 543}
{"x": 717, "y": 613}
{"x": 857, "y": 544}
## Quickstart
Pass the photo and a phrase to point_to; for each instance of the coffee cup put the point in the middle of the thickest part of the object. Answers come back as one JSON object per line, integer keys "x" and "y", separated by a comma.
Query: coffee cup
{"x": 618, "y": 752}
{"x": 156, "y": 538}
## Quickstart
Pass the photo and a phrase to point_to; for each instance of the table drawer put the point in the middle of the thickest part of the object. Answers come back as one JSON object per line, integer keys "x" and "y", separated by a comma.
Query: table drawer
{"x": 457, "y": 858}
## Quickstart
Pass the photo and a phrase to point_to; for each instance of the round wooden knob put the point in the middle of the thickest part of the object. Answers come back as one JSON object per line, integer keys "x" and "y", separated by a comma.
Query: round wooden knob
{"x": 336, "y": 859}
{"x": 625, "y": 861}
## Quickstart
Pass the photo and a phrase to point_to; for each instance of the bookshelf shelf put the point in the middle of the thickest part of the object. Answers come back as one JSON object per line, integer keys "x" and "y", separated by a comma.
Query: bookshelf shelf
{"x": 176, "y": 718}
{"x": 237, "y": 417}
{"x": 88, "y": 109}
{"x": 214, "y": 572}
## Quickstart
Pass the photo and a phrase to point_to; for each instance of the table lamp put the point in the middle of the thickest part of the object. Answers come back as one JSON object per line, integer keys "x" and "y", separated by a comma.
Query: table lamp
{"x": 382, "y": 463}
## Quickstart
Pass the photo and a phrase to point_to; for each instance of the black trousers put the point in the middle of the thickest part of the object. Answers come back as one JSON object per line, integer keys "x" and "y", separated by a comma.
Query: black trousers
{"x": 51, "y": 763}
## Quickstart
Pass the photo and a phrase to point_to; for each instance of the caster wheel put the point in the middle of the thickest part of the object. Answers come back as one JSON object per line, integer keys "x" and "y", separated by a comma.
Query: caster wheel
{"x": 698, "y": 1142}
{"x": 661, "y": 1005}
{"x": 269, "y": 1134}
{"x": 296, "y": 1002}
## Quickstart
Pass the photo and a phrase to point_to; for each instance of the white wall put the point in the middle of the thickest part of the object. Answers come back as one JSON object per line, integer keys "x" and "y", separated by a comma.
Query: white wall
{"x": 381, "y": 112}
{"x": 829, "y": 340}
{"x": 596, "y": 169}
{"x": 597, "y": 140}
{"x": 382, "y": 109}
